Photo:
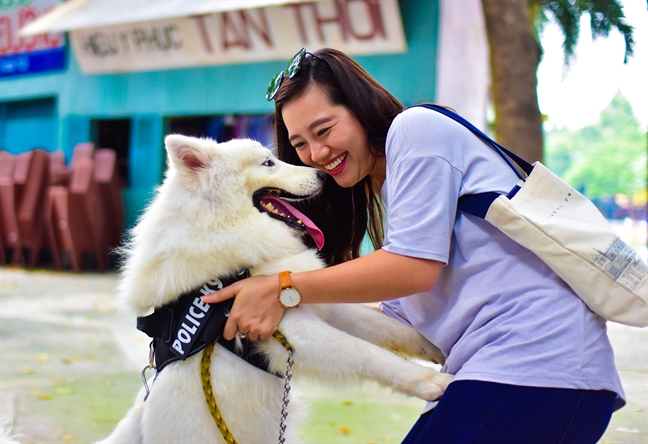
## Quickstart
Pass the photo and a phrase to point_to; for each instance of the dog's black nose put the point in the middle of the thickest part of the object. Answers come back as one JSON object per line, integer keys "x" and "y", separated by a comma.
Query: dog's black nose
{"x": 321, "y": 175}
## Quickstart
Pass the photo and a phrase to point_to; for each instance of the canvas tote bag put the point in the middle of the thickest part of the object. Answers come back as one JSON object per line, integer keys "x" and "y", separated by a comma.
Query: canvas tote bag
{"x": 567, "y": 231}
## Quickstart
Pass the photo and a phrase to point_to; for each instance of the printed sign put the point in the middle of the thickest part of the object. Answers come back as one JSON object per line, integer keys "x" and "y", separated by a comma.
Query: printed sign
{"x": 274, "y": 33}
{"x": 25, "y": 55}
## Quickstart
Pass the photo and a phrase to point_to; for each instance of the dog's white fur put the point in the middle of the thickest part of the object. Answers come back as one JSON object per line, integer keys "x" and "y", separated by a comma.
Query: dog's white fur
{"x": 202, "y": 224}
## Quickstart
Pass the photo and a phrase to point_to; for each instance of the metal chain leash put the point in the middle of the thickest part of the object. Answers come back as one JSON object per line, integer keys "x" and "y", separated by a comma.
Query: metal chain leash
{"x": 286, "y": 395}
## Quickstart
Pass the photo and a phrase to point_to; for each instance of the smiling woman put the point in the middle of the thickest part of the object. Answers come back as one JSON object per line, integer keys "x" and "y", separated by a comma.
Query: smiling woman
{"x": 344, "y": 134}
{"x": 456, "y": 279}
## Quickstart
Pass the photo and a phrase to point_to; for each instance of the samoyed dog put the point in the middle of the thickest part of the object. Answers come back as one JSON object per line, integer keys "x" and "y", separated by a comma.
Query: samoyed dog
{"x": 222, "y": 208}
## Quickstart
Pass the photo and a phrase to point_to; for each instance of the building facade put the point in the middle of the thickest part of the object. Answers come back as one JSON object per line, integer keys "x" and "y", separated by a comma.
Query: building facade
{"x": 125, "y": 85}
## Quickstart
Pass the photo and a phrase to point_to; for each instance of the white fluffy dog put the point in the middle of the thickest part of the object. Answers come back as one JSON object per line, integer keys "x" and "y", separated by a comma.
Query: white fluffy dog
{"x": 212, "y": 217}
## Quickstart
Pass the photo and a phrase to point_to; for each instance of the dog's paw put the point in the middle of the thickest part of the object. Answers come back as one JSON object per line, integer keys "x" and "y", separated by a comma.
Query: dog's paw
{"x": 429, "y": 352}
{"x": 431, "y": 386}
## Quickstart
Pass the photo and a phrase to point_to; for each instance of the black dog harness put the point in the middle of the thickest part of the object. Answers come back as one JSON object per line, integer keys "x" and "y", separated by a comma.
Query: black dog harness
{"x": 188, "y": 325}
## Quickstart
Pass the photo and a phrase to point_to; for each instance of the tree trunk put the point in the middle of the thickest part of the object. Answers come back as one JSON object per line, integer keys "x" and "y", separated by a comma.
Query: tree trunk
{"x": 514, "y": 59}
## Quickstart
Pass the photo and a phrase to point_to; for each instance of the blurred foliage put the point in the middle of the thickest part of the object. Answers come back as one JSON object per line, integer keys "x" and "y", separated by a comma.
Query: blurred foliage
{"x": 604, "y": 15}
{"x": 605, "y": 159}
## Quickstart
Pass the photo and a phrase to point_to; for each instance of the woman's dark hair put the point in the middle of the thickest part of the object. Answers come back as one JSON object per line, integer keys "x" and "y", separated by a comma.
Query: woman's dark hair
{"x": 344, "y": 215}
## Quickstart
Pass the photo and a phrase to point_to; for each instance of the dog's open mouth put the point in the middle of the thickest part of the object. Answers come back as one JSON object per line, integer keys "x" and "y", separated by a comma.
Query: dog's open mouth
{"x": 273, "y": 201}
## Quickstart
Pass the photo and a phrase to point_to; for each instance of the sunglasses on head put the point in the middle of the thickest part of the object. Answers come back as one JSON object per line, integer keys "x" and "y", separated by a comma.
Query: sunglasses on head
{"x": 288, "y": 73}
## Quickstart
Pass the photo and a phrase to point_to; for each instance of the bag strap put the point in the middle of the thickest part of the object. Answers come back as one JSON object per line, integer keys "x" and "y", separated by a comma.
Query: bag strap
{"x": 523, "y": 164}
{"x": 478, "y": 204}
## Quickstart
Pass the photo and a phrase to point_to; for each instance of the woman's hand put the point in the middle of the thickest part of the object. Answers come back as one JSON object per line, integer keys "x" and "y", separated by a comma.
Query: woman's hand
{"x": 256, "y": 312}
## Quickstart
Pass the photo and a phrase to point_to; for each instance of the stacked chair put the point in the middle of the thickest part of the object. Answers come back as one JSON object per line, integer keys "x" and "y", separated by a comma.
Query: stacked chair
{"x": 74, "y": 212}
{"x": 23, "y": 188}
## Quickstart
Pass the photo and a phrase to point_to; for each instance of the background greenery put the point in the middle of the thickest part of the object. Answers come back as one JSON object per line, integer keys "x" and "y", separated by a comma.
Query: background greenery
{"x": 605, "y": 161}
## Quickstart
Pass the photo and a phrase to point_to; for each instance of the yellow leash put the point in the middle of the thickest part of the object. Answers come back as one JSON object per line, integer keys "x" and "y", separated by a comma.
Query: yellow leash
{"x": 205, "y": 373}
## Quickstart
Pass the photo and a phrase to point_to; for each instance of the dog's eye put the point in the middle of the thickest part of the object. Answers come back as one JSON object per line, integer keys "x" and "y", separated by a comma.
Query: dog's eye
{"x": 268, "y": 163}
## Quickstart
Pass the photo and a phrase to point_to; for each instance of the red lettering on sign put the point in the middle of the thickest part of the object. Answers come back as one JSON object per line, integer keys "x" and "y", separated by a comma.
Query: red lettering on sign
{"x": 202, "y": 30}
{"x": 26, "y": 15}
{"x": 233, "y": 34}
{"x": 5, "y": 35}
{"x": 342, "y": 17}
{"x": 260, "y": 27}
{"x": 373, "y": 11}
{"x": 300, "y": 21}
{"x": 10, "y": 43}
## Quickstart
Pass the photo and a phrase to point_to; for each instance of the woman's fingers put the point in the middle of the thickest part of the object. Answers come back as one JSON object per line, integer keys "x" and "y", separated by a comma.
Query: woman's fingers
{"x": 231, "y": 327}
{"x": 256, "y": 311}
{"x": 220, "y": 295}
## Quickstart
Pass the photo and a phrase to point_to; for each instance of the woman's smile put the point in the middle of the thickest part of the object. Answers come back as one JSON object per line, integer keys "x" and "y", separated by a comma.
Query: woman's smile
{"x": 337, "y": 165}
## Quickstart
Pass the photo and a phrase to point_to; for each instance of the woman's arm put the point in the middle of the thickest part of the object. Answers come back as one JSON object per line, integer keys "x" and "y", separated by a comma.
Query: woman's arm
{"x": 375, "y": 277}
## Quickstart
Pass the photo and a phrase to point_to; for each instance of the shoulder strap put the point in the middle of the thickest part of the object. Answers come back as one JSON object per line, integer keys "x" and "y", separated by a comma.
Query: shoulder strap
{"x": 523, "y": 164}
{"x": 478, "y": 204}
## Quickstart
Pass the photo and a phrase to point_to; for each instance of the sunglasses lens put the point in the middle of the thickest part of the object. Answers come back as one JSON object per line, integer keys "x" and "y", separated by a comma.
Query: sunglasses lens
{"x": 291, "y": 70}
{"x": 295, "y": 63}
{"x": 273, "y": 86}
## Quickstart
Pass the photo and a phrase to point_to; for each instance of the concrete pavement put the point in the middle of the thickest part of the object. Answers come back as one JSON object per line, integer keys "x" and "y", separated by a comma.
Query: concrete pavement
{"x": 70, "y": 362}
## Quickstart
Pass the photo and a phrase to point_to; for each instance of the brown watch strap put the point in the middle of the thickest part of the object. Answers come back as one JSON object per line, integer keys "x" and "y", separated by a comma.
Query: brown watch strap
{"x": 284, "y": 280}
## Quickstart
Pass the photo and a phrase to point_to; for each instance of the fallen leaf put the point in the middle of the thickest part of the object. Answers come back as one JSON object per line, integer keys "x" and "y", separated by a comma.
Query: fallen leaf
{"x": 66, "y": 361}
{"x": 63, "y": 390}
{"x": 344, "y": 430}
{"x": 67, "y": 437}
{"x": 43, "y": 357}
{"x": 44, "y": 396}
{"x": 28, "y": 370}
{"x": 347, "y": 402}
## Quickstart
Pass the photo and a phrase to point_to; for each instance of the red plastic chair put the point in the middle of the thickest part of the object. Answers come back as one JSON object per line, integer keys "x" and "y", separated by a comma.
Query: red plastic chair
{"x": 10, "y": 234}
{"x": 109, "y": 185}
{"x": 22, "y": 197}
{"x": 31, "y": 202}
{"x": 7, "y": 164}
{"x": 82, "y": 151}
{"x": 77, "y": 217}
{"x": 8, "y": 224}
{"x": 59, "y": 173}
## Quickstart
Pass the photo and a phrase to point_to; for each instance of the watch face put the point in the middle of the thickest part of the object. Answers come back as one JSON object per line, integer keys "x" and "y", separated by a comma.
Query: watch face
{"x": 290, "y": 297}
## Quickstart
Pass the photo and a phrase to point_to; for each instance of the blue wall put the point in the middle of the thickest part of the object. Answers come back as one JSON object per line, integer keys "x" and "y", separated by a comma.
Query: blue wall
{"x": 148, "y": 97}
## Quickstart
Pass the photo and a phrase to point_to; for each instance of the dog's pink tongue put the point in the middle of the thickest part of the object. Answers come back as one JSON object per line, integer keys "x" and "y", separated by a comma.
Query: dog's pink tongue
{"x": 284, "y": 207}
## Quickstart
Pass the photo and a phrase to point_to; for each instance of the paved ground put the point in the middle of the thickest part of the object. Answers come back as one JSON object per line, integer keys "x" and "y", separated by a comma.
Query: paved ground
{"x": 69, "y": 363}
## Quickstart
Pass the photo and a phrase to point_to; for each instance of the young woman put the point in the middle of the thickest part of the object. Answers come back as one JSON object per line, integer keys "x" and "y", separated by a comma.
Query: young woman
{"x": 531, "y": 362}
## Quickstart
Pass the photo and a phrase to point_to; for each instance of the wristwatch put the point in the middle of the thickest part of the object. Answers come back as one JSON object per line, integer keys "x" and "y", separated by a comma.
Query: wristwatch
{"x": 289, "y": 296}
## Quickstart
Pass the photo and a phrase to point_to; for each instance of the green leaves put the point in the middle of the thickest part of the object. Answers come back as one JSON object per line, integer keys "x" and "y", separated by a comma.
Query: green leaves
{"x": 605, "y": 15}
{"x": 604, "y": 159}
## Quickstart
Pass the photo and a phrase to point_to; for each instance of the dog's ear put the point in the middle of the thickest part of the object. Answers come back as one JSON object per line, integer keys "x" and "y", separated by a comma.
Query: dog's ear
{"x": 186, "y": 153}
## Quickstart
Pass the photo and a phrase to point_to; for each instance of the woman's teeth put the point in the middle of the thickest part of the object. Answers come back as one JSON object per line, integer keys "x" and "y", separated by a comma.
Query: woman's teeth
{"x": 336, "y": 163}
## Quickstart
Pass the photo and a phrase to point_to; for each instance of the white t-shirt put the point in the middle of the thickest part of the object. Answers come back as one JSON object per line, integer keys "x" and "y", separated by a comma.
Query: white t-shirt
{"x": 497, "y": 312}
